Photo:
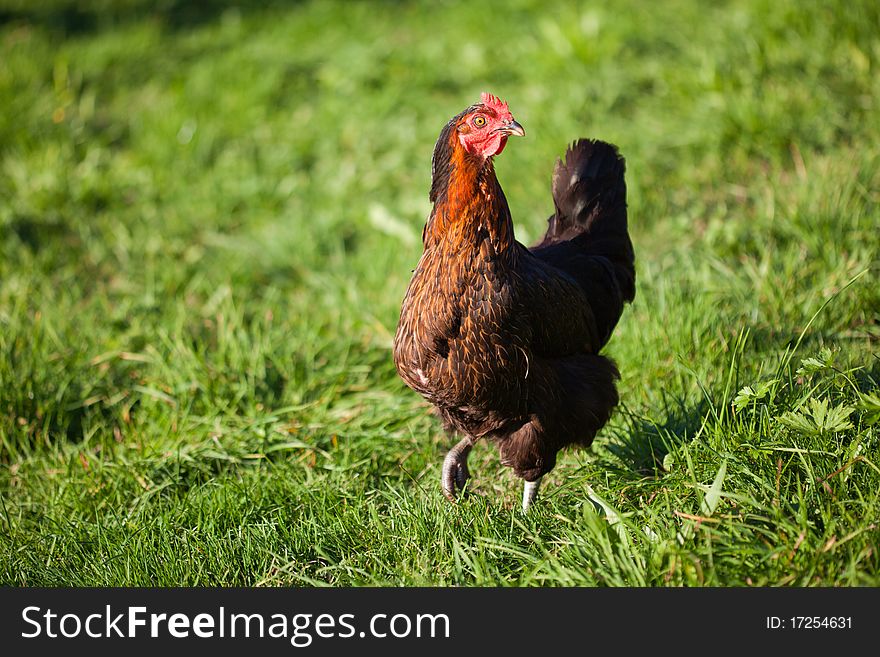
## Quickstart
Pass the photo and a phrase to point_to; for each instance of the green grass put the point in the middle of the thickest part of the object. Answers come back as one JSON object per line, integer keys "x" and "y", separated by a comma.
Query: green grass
{"x": 208, "y": 219}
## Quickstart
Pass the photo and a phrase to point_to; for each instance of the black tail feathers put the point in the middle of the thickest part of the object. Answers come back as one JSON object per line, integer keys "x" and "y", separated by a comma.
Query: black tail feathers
{"x": 589, "y": 192}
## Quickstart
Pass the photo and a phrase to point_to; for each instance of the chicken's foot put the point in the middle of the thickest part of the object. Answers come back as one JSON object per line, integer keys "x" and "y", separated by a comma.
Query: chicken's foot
{"x": 455, "y": 470}
{"x": 530, "y": 492}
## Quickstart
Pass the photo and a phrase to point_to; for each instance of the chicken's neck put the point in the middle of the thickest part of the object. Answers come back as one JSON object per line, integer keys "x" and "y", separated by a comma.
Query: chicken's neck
{"x": 469, "y": 208}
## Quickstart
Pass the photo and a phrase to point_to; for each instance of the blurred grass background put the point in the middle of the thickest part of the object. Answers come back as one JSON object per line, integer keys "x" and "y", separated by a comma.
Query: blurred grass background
{"x": 208, "y": 217}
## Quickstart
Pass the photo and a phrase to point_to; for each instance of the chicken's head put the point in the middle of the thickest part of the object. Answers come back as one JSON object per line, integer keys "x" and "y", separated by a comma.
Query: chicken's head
{"x": 484, "y": 128}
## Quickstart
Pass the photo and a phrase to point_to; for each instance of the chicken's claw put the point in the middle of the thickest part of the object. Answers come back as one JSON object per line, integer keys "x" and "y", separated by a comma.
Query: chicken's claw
{"x": 455, "y": 470}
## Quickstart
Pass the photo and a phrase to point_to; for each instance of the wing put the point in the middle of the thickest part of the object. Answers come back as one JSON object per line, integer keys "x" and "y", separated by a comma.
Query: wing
{"x": 552, "y": 306}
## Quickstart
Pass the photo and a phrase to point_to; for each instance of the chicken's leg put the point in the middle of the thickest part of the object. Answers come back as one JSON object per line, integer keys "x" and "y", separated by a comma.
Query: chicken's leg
{"x": 455, "y": 470}
{"x": 530, "y": 492}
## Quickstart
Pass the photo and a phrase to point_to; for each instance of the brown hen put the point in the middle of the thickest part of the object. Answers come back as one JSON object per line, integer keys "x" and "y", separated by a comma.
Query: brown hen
{"x": 504, "y": 340}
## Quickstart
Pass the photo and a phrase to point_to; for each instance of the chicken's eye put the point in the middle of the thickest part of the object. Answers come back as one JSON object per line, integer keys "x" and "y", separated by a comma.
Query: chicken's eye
{"x": 479, "y": 121}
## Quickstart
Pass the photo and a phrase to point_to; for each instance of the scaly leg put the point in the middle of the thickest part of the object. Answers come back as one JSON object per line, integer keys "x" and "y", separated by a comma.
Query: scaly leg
{"x": 530, "y": 492}
{"x": 455, "y": 470}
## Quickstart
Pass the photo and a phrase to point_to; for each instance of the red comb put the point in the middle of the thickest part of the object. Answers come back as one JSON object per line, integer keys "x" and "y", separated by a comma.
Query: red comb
{"x": 495, "y": 103}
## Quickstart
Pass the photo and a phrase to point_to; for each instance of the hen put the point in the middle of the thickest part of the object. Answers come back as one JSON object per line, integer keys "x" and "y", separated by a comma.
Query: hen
{"x": 504, "y": 340}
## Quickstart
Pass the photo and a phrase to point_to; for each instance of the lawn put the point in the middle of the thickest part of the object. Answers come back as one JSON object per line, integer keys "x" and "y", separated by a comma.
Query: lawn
{"x": 208, "y": 218}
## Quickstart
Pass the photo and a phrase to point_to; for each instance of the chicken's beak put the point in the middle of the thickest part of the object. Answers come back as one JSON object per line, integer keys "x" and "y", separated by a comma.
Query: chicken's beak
{"x": 512, "y": 128}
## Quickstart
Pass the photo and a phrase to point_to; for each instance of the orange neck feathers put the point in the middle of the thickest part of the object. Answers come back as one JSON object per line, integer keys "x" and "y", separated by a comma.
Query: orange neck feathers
{"x": 469, "y": 204}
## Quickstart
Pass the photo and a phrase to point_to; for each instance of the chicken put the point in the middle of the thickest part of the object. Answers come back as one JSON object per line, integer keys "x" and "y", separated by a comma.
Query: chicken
{"x": 504, "y": 340}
